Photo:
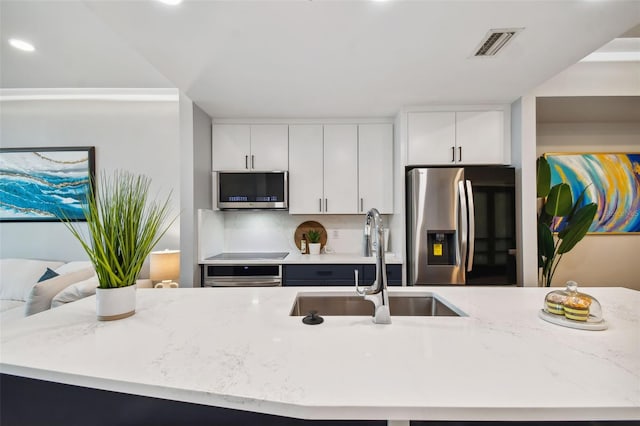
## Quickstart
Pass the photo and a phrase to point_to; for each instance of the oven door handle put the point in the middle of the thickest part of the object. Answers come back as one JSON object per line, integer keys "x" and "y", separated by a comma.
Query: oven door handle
{"x": 243, "y": 282}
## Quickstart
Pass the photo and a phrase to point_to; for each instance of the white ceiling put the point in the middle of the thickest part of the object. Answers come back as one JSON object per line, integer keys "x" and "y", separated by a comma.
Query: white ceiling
{"x": 303, "y": 58}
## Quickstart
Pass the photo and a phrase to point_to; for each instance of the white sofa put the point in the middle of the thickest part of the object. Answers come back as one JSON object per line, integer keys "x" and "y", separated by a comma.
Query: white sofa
{"x": 26, "y": 290}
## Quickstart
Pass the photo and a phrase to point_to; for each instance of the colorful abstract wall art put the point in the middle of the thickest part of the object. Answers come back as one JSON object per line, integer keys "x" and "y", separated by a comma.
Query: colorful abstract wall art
{"x": 44, "y": 184}
{"x": 612, "y": 181}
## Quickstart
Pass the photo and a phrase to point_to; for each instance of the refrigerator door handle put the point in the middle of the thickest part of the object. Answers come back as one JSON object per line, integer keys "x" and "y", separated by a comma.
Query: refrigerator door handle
{"x": 462, "y": 214}
{"x": 472, "y": 225}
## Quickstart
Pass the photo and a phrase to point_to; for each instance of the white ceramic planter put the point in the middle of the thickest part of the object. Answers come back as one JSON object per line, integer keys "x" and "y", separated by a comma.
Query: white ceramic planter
{"x": 314, "y": 248}
{"x": 115, "y": 303}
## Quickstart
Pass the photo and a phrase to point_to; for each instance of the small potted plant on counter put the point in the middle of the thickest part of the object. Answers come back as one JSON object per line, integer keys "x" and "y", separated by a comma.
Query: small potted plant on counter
{"x": 314, "y": 241}
{"x": 123, "y": 227}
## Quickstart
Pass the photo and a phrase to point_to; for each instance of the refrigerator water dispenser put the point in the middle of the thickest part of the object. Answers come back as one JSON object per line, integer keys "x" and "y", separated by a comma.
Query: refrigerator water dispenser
{"x": 441, "y": 247}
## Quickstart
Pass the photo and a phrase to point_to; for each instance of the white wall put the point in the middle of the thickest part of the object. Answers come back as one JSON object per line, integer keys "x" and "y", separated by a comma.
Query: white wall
{"x": 594, "y": 79}
{"x": 201, "y": 172}
{"x": 138, "y": 136}
{"x": 187, "y": 212}
{"x": 523, "y": 146}
{"x": 398, "y": 220}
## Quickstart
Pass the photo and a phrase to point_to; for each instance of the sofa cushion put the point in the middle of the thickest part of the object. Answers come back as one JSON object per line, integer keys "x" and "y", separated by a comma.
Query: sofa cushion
{"x": 73, "y": 266}
{"x": 11, "y": 310}
{"x": 18, "y": 276}
{"x": 43, "y": 292}
{"x": 6, "y": 305}
{"x": 76, "y": 291}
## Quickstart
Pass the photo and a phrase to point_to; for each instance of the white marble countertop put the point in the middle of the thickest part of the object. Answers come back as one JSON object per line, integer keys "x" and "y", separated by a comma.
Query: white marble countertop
{"x": 297, "y": 258}
{"x": 239, "y": 348}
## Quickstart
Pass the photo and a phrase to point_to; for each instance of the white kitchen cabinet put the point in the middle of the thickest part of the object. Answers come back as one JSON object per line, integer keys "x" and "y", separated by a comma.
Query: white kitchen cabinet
{"x": 231, "y": 146}
{"x": 247, "y": 147}
{"x": 340, "y": 168}
{"x": 456, "y": 137}
{"x": 306, "y": 182}
{"x": 480, "y": 137}
{"x": 431, "y": 137}
{"x": 323, "y": 169}
{"x": 375, "y": 168}
{"x": 269, "y": 147}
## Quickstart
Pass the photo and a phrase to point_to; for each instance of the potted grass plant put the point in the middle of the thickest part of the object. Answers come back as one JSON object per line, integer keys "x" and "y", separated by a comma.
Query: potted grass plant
{"x": 123, "y": 226}
{"x": 557, "y": 210}
{"x": 313, "y": 236}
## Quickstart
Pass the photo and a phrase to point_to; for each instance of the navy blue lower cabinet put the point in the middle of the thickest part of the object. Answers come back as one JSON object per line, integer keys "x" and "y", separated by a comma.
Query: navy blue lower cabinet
{"x": 310, "y": 275}
{"x": 394, "y": 274}
{"x": 336, "y": 274}
{"x": 39, "y": 403}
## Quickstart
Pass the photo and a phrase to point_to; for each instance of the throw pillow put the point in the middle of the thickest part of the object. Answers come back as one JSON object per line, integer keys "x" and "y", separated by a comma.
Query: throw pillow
{"x": 74, "y": 265}
{"x": 42, "y": 293}
{"x": 76, "y": 291}
{"x": 18, "y": 276}
{"x": 49, "y": 273}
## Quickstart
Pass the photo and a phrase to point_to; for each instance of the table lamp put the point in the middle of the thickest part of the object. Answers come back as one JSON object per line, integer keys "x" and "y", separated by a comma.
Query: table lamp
{"x": 165, "y": 267}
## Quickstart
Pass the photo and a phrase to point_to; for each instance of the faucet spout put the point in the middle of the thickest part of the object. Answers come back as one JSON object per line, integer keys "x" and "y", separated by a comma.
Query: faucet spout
{"x": 377, "y": 292}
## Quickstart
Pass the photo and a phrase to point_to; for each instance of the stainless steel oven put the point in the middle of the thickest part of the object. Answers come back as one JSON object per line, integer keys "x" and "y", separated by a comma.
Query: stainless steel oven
{"x": 242, "y": 275}
{"x": 245, "y": 269}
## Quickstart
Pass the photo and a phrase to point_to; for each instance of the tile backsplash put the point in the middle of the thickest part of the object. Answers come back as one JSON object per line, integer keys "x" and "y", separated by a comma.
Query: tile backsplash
{"x": 274, "y": 231}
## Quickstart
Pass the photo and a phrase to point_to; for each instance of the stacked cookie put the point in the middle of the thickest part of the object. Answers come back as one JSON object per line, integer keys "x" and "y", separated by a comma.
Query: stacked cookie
{"x": 574, "y": 306}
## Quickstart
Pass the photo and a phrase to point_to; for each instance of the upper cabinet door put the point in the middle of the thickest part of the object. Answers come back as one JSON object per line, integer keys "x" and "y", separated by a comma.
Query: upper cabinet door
{"x": 480, "y": 137}
{"x": 340, "y": 168}
{"x": 269, "y": 147}
{"x": 375, "y": 167}
{"x": 431, "y": 138}
{"x": 306, "y": 194}
{"x": 230, "y": 147}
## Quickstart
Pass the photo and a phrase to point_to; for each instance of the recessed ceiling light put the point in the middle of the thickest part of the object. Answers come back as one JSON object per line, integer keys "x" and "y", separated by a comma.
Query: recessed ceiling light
{"x": 170, "y": 2}
{"x": 21, "y": 45}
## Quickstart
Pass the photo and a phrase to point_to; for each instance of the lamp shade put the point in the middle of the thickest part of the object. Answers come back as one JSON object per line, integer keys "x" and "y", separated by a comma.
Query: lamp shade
{"x": 165, "y": 265}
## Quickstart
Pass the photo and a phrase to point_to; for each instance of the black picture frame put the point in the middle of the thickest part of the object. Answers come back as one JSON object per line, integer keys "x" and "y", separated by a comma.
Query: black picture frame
{"x": 43, "y": 184}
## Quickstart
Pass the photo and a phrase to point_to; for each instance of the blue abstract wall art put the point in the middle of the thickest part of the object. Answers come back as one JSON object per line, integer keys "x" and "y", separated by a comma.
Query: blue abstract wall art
{"x": 612, "y": 181}
{"x": 44, "y": 184}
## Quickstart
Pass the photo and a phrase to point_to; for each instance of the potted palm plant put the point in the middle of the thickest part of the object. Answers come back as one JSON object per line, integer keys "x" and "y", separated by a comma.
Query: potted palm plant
{"x": 314, "y": 241}
{"x": 556, "y": 204}
{"x": 123, "y": 226}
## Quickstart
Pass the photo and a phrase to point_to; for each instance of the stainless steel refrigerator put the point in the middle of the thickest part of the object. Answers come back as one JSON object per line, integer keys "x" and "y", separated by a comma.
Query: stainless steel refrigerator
{"x": 461, "y": 226}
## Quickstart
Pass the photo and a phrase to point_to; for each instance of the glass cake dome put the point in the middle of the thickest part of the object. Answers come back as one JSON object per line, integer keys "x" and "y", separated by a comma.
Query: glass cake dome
{"x": 570, "y": 308}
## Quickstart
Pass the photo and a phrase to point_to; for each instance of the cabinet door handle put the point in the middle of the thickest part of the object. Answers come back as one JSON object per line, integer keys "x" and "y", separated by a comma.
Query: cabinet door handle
{"x": 246, "y": 161}
{"x": 253, "y": 166}
{"x": 453, "y": 154}
{"x": 361, "y": 204}
{"x": 320, "y": 205}
{"x": 326, "y": 205}
{"x": 459, "y": 153}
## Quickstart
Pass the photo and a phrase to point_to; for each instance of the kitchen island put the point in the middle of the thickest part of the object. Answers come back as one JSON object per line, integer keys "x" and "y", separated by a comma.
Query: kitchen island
{"x": 239, "y": 348}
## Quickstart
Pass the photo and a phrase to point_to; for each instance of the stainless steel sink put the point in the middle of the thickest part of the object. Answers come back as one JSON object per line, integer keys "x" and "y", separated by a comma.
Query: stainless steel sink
{"x": 400, "y": 304}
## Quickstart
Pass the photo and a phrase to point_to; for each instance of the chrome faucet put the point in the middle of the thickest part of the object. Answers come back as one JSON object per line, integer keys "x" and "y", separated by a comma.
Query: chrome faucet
{"x": 377, "y": 292}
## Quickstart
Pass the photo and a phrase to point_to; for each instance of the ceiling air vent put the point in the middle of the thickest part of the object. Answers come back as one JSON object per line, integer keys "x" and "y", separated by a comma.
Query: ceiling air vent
{"x": 495, "y": 40}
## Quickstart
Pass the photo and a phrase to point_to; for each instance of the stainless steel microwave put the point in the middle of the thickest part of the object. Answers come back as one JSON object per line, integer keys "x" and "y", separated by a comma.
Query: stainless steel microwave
{"x": 251, "y": 190}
